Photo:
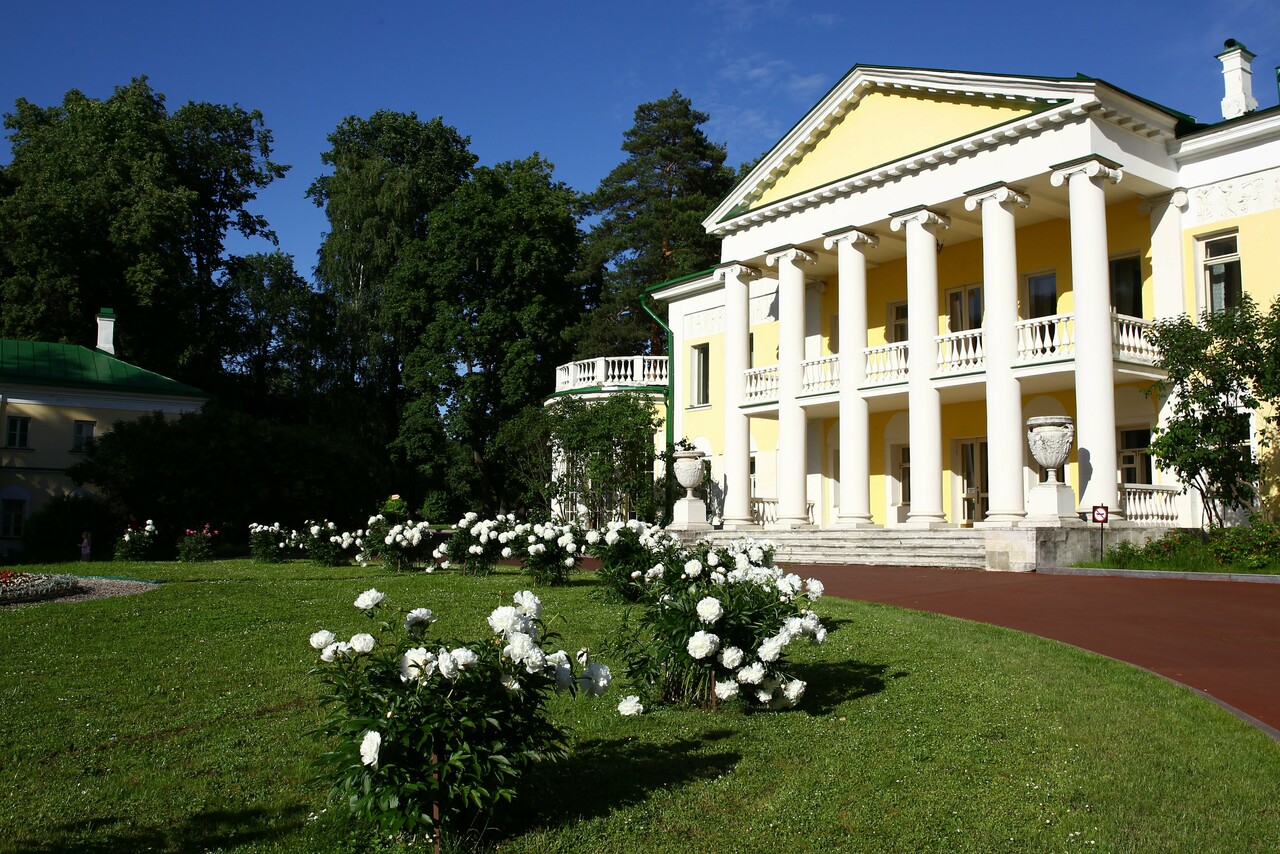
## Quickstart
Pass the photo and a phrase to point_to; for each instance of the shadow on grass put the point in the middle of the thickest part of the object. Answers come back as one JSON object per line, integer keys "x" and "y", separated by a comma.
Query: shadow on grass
{"x": 214, "y": 830}
{"x": 831, "y": 684}
{"x": 603, "y": 775}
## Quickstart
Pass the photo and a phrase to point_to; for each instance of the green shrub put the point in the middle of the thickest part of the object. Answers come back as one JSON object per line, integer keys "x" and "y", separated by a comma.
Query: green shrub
{"x": 140, "y": 543}
{"x": 196, "y": 545}
{"x": 322, "y": 543}
{"x": 627, "y": 550}
{"x": 1252, "y": 546}
{"x": 53, "y": 533}
{"x": 1124, "y": 555}
{"x": 270, "y": 543}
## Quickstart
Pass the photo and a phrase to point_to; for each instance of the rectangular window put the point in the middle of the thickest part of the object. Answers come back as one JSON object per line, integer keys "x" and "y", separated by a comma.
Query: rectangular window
{"x": 82, "y": 438}
{"x": 1126, "y": 286}
{"x": 700, "y": 375}
{"x": 904, "y": 475}
{"x": 1135, "y": 459}
{"x": 12, "y": 513}
{"x": 1042, "y": 295}
{"x": 1222, "y": 272}
{"x": 964, "y": 308}
{"x": 833, "y": 334}
{"x": 18, "y": 432}
{"x": 897, "y": 331}
{"x": 751, "y": 349}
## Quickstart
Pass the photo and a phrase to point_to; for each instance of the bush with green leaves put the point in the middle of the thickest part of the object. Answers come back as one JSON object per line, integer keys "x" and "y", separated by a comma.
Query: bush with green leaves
{"x": 425, "y": 734}
{"x": 271, "y": 543}
{"x": 139, "y": 543}
{"x": 476, "y": 545}
{"x": 1252, "y": 546}
{"x": 626, "y": 551}
{"x": 196, "y": 544}
{"x": 551, "y": 550}
{"x": 324, "y": 544}
{"x": 716, "y": 627}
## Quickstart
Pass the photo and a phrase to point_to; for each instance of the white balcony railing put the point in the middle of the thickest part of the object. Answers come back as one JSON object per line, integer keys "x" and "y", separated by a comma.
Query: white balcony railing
{"x": 764, "y": 511}
{"x": 961, "y": 352}
{"x": 1148, "y": 504}
{"x": 612, "y": 372}
{"x": 1131, "y": 339}
{"x": 819, "y": 375}
{"x": 887, "y": 364}
{"x": 1046, "y": 339}
{"x": 762, "y": 384}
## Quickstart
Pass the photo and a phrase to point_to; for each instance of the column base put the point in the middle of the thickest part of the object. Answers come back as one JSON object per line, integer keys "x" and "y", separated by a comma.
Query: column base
{"x": 1001, "y": 520}
{"x": 790, "y": 524}
{"x": 849, "y": 522}
{"x": 738, "y": 524}
{"x": 926, "y": 522}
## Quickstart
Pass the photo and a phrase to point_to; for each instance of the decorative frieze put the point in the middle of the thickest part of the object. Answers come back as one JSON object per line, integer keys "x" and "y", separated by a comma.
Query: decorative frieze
{"x": 1243, "y": 196}
{"x": 700, "y": 324}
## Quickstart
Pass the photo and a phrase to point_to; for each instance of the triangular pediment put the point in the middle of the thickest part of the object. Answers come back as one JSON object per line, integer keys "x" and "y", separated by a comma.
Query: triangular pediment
{"x": 877, "y": 116}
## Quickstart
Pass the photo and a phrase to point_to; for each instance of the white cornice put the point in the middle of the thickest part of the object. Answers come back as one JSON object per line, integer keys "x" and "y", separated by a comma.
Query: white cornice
{"x": 681, "y": 290}
{"x": 1238, "y": 134}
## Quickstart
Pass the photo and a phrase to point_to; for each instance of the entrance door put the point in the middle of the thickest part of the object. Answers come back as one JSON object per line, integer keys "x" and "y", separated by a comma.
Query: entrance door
{"x": 975, "y": 498}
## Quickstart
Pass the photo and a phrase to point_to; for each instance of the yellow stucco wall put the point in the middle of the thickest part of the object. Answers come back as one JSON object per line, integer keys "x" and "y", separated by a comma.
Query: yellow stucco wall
{"x": 858, "y": 141}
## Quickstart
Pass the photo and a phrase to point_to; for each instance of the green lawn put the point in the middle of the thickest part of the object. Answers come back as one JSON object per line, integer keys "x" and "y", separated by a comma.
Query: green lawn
{"x": 178, "y": 719}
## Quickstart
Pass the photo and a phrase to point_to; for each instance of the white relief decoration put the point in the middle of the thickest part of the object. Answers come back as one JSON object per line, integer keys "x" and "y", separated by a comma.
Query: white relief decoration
{"x": 702, "y": 323}
{"x": 764, "y": 308}
{"x": 1237, "y": 197}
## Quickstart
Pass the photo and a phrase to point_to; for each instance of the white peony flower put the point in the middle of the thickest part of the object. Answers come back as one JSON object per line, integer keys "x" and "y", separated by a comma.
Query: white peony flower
{"x": 726, "y": 690}
{"x": 731, "y": 657}
{"x": 703, "y": 644}
{"x": 528, "y": 603}
{"x": 710, "y": 609}
{"x": 511, "y": 683}
{"x": 559, "y": 660}
{"x": 568, "y": 561}
{"x": 611, "y": 538}
{"x": 814, "y": 589}
{"x": 464, "y": 658}
{"x": 693, "y": 568}
{"x": 794, "y": 690}
{"x": 416, "y": 664}
{"x": 417, "y": 620}
{"x": 752, "y": 674}
{"x": 771, "y": 648}
{"x": 369, "y": 599}
{"x": 506, "y": 620}
{"x": 593, "y": 537}
{"x": 595, "y": 679}
{"x": 321, "y": 639}
{"x": 630, "y": 706}
{"x": 446, "y": 664}
{"x": 370, "y": 745}
{"x": 362, "y": 643}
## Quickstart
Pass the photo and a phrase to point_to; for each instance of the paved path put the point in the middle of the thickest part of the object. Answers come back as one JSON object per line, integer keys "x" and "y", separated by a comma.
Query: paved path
{"x": 1218, "y": 637}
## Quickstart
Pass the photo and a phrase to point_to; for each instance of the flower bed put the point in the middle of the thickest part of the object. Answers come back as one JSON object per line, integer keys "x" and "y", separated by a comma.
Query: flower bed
{"x": 29, "y": 587}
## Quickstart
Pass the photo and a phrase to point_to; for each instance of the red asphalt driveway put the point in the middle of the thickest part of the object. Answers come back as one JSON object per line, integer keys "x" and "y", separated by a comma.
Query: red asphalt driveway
{"x": 1219, "y": 637}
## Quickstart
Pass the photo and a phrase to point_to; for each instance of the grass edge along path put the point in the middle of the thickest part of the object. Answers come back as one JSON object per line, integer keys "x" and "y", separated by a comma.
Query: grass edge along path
{"x": 178, "y": 720}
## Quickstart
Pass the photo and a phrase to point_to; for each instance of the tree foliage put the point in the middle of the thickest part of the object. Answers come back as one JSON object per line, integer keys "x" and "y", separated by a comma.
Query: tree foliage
{"x": 651, "y": 208}
{"x": 1220, "y": 373}
{"x": 121, "y": 203}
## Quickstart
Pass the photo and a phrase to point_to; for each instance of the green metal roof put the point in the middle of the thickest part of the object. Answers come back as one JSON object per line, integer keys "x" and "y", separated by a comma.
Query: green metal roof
{"x": 73, "y": 366}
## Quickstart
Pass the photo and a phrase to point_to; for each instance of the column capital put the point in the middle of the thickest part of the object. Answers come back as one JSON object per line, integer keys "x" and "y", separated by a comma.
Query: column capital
{"x": 793, "y": 254}
{"x": 1091, "y": 166}
{"x": 927, "y": 218}
{"x": 1177, "y": 198}
{"x": 1001, "y": 194}
{"x": 852, "y": 236}
{"x": 736, "y": 270}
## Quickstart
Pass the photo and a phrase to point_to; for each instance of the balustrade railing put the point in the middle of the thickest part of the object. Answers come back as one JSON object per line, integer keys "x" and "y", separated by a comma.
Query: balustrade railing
{"x": 607, "y": 371}
{"x": 819, "y": 375}
{"x": 1131, "y": 339}
{"x": 1149, "y": 504}
{"x": 1046, "y": 339}
{"x": 961, "y": 352}
{"x": 887, "y": 364}
{"x": 764, "y": 511}
{"x": 762, "y": 384}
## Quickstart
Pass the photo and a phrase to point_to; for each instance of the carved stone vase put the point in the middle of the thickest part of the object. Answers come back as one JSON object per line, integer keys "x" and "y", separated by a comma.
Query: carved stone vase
{"x": 1050, "y": 438}
{"x": 687, "y": 466}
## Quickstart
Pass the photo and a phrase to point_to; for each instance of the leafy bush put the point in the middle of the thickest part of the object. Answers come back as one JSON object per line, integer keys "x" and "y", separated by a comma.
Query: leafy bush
{"x": 716, "y": 627}
{"x": 1252, "y": 546}
{"x": 1124, "y": 555}
{"x": 551, "y": 550}
{"x": 324, "y": 544}
{"x": 270, "y": 543}
{"x": 447, "y": 730}
{"x": 52, "y": 534}
{"x": 139, "y": 543}
{"x": 626, "y": 551}
{"x": 476, "y": 545}
{"x": 196, "y": 546}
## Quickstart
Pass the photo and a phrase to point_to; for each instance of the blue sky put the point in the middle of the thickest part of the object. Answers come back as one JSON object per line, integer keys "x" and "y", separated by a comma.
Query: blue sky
{"x": 564, "y": 78}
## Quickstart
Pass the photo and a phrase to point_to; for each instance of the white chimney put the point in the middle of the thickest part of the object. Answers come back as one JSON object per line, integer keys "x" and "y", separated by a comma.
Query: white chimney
{"x": 107, "y": 331}
{"x": 1238, "y": 77}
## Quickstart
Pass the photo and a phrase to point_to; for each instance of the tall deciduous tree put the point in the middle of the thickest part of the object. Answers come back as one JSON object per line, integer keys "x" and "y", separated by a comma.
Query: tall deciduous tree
{"x": 120, "y": 203}
{"x": 1221, "y": 373}
{"x": 490, "y": 323}
{"x": 651, "y": 208}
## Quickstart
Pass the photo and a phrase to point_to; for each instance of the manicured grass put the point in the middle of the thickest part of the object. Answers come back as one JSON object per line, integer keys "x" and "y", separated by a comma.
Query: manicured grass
{"x": 178, "y": 720}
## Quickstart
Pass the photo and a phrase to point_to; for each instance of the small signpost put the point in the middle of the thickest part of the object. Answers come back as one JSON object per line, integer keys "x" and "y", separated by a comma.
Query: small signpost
{"x": 1100, "y": 515}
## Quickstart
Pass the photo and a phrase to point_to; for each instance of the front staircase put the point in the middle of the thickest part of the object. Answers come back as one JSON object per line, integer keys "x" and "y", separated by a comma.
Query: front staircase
{"x": 947, "y": 547}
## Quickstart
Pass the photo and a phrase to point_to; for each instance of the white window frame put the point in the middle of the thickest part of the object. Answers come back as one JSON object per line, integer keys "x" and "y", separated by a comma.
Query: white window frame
{"x": 1202, "y": 251}
{"x": 699, "y": 375}
{"x": 79, "y": 440}
{"x": 966, "y": 320}
{"x": 892, "y": 321}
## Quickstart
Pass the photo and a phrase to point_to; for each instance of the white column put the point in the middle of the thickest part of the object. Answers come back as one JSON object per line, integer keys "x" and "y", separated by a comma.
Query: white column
{"x": 923, "y": 401}
{"x": 855, "y": 438}
{"x": 737, "y": 424}
{"x": 792, "y": 457}
{"x": 1091, "y": 289}
{"x": 1000, "y": 339}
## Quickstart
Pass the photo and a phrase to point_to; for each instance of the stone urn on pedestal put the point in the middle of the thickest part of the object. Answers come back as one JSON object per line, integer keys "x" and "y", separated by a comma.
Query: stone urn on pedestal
{"x": 1050, "y": 438}
{"x": 690, "y": 512}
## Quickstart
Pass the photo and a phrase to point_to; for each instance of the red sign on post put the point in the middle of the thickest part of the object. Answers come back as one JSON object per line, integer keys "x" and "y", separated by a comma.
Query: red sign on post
{"x": 1100, "y": 514}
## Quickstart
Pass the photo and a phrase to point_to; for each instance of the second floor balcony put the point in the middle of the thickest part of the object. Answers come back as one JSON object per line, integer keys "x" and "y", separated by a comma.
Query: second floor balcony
{"x": 1040, "y": 341}
{"x": 610, "y": 373}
